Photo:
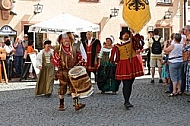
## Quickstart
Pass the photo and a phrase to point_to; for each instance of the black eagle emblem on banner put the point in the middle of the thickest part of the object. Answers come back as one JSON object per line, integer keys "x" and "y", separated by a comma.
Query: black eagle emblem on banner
{"x": 137, "y": 4}
{"x": 136, "y": 13}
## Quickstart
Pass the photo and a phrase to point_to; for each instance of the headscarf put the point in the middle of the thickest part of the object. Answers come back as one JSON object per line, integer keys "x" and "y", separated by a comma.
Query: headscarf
{"x": 111, "y": 38}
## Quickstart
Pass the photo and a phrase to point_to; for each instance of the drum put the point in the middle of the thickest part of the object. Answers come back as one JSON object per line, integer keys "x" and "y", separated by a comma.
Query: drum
{"x": 80, "y": 81}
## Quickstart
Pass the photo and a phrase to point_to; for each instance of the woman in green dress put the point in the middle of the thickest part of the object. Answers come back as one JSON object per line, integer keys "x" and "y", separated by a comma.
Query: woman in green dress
{"x": 46, "y": 76}
{"x": 106, "y": 70}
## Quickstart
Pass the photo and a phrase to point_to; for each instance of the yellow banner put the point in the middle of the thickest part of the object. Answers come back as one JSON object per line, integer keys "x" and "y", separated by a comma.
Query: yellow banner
{"x": 136, "y": 13}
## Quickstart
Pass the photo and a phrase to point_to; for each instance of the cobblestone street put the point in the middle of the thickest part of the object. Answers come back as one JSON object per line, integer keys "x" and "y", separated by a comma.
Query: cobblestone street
{"x": 152, "y": 107}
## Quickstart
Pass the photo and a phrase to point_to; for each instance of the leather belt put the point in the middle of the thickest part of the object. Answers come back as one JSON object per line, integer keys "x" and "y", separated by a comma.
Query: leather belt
{"x": 175, "y": 57}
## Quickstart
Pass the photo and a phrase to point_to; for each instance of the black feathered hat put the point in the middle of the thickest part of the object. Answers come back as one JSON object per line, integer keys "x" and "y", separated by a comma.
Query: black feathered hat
{"x": 123, "y": 32}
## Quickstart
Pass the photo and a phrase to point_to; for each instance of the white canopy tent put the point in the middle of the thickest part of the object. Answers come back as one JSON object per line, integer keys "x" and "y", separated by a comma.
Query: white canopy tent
{"x": 64, "y": 23}
{"x": 61, "y": 24}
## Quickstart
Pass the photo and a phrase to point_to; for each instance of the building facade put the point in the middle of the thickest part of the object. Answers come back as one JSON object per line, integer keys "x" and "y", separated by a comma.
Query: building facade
{"x": 17, "y": 15}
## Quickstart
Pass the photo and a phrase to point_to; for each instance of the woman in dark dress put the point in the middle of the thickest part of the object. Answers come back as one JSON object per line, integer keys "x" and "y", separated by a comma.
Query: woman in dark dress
{"x": 106, "y": 70}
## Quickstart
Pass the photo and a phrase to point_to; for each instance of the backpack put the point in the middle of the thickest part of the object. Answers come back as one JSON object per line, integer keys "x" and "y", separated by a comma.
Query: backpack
{"x": 156, "y": 46}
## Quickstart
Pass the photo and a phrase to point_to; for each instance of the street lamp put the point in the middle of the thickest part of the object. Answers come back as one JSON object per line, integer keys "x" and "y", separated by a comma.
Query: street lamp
{"x": 38, "y": 8}
{"x": 114, "y": 12}
{"x": 150, "y": 29}
{"x": 168, "y": 15}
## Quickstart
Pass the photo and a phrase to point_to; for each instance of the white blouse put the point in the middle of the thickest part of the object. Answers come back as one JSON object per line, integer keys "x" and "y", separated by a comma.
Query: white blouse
{"x": 39, "y": 57}
{"x": 104, "y": 50}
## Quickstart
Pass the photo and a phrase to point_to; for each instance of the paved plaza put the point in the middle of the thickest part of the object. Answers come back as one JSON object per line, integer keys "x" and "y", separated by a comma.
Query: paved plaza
{"x": 152, "y": 107}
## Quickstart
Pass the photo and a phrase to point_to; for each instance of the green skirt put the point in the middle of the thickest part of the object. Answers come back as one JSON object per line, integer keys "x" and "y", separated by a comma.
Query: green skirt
{"x": 106, "y": 78}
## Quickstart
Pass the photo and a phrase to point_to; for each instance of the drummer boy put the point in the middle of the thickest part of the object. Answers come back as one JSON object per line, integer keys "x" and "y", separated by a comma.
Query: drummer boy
{"x": 65, "y": 57}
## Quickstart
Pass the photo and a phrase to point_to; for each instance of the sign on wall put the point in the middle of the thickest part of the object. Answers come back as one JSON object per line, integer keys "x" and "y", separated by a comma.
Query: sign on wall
{"x": 7, "y": 30}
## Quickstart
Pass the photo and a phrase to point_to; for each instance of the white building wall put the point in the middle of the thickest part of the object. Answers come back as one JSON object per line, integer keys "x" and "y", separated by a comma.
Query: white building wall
{"x": 95, "y": 12}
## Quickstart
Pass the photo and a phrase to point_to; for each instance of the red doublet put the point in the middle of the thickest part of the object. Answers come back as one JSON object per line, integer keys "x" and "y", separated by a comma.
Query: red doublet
{"x": 128, "y": 64}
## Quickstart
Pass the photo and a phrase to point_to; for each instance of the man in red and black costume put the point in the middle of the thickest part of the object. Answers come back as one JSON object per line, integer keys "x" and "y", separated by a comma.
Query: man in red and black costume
{"x": 92, "y": 47}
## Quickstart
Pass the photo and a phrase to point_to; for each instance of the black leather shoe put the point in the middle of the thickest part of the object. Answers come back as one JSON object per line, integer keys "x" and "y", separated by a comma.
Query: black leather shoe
{"x": 128, "y": 105}
{"x": 48, "y": 95}
{"x": 147, "y": 74}
{"x": 161, "y": 81}
{"x": 152, "y": 81}
{"x": 127, "y": 108}
{"x": 102, "y": 92}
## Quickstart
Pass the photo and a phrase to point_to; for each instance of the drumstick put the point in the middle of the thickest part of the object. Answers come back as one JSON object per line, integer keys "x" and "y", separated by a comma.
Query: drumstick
{"x": 77, "y": 64}
{"x": 5, "y": 73}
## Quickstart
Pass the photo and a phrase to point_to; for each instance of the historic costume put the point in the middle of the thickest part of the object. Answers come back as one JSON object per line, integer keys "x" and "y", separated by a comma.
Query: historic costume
{"x": 46, "y": 76}
{"x": 92, "y": 47}
{"x": 128, "y": 65}
{"x": 66, "y": 57}
{"x": 126, "y": 58}
{"x": 106, "y": 71}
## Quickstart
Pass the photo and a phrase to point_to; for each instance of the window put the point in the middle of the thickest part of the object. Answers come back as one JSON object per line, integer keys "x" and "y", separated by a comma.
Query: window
{"x": 39, "y": 41}
{"x": 89, "y": 1}
{"x": 38, "y": 37}
{"x": 30, "y": 34}
{"x": 164, "y": 33}
{"x": 164, "y": 1}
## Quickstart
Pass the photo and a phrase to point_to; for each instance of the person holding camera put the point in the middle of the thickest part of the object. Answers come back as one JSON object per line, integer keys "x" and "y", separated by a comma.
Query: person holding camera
{"x": 9, "y": 58}
{"x": 19, "y": 53}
